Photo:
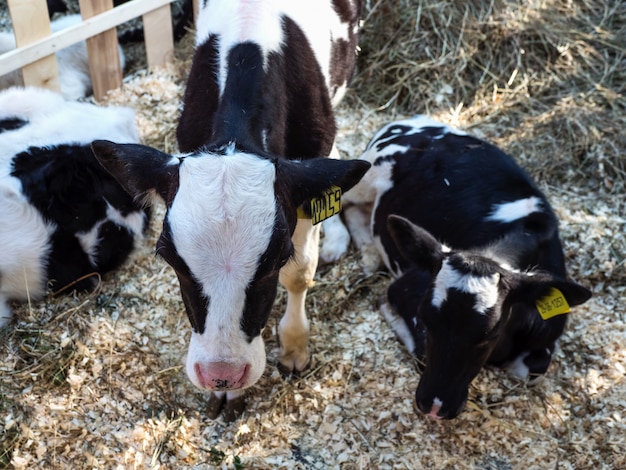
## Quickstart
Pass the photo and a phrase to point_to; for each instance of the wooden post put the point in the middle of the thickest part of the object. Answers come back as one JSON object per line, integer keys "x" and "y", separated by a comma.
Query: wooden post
{"x": 30, "y": 23}
{"x": 158, "y": 36}
{"x": 196, "y": 9}
{"x": 104, "y": 59}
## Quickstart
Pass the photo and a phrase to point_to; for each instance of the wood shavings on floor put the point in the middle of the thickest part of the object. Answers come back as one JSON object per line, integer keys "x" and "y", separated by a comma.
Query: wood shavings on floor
{"x": 97, "y": 381}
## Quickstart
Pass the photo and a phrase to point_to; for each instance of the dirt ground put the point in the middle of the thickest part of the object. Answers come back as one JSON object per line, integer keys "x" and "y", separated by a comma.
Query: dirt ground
{"x": 96, "y": 380}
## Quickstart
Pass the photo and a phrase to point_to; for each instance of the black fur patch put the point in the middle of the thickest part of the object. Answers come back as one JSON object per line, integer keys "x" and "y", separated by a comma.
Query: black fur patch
{"x": 196, "y": 303}
{"x": 10, "y": 124}
{"x": 70, "y": 189}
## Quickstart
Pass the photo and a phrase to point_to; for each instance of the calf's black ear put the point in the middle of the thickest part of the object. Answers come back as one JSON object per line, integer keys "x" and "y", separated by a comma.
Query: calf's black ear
{"x": 308, "y": 179}
{"x": 537, "y": 286}
{"x": 575, "y": 293}
{"x": 141, "y": 170}
{"x": 416, "y": 244}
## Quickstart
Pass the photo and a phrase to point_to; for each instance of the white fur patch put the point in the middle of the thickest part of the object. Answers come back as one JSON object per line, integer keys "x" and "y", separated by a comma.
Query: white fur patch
{"x": 24, "y": 237}
{"x": 517, "y": 366}
{"x": 398, "y": 325}
{"x": 510, "y": 211}
{"x": 336, "y": 240}
{"x": 134, "y": 221}
{"x": 89, "y": 241}
{"x": 484, "y": 288}
{"x": 416, "y": 124}
{"x": 261, "y": 23}
{"x": 221, "y": 221}
{"x": 54, "y": 121}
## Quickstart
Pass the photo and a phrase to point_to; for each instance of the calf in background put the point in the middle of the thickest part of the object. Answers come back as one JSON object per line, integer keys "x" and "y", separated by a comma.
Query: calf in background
{"x": 474, "y": 247}
{"x": 62, "y": 216}
{"x": 73, "y": 62}
{"x": 257, "y": 117}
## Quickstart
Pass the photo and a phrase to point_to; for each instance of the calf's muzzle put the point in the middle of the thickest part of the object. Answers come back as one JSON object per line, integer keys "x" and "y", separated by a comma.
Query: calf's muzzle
{"x": 222, "y": 375}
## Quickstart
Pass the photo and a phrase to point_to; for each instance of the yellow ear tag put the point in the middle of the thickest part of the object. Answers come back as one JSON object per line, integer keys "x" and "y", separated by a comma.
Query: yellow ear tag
{"x": 553, "y": 304}
{"x": 323, "y": 207}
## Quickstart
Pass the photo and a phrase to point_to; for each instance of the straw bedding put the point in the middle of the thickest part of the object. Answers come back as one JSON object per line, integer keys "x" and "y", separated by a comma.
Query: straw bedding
{"x": 96, "y": 381}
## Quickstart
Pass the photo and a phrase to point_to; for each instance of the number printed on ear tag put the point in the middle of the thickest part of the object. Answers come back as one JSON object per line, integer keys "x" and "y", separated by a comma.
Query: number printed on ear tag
{"x": 553, "y": 304}
{"x": 323, "y": 207}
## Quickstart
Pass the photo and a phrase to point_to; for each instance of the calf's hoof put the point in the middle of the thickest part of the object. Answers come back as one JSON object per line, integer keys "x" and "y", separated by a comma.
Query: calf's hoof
{"x": 535, "y": 379}
{"x": 290, "y": 370}
{"x": 532, "y": 365}
{"x": 370, "y": 259}
{"x": 230, "y": 409}
{"x": 294, "y": 353}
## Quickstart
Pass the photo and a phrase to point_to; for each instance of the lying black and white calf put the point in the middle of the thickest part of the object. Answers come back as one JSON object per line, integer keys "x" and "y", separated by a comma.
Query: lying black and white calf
{"x": 257, "y": 115}
{"x": 474, "y": 247}
{"x": 62, "y": 216}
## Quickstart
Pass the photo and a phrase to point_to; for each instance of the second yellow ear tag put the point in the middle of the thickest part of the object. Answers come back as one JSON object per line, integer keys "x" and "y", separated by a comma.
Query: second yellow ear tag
{"x": 553, "y": 304}
{"x": 323, "y": 207}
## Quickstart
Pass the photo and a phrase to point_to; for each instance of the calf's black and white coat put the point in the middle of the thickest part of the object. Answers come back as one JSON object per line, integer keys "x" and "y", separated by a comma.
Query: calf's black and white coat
{"x": 62, "y": 216}
{"x": 257, "y": 115}
{"x": 473, "y": 245}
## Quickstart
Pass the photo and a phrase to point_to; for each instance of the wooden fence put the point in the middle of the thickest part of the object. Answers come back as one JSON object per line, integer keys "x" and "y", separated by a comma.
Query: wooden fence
{"x": 36, "y": 46}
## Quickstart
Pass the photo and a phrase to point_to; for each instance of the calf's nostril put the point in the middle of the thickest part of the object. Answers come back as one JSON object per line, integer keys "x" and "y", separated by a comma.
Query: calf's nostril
{"x": 221, "y": 375}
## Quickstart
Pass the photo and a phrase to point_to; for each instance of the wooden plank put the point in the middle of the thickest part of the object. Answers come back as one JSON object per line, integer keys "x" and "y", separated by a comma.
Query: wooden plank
{"x": 30, "y": 23}
{"x": 159, "y": 36}
{"x": 104, "y": 58}
{"x": 15, "y": 59}
{"x": 196, "y": 9}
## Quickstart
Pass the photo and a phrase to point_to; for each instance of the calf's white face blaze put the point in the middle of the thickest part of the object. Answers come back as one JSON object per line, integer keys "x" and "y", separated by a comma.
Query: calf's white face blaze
{"x": 484, "y": 288}
{"x": 222, "y": 219}
{"x": 221, "y": 222}
{"x": 229, "y": 229}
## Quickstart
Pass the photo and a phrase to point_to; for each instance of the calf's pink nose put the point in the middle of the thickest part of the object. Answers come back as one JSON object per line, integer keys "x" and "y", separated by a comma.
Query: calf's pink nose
{"x": 221, "y": 375}
{"x": 435, "y": 409}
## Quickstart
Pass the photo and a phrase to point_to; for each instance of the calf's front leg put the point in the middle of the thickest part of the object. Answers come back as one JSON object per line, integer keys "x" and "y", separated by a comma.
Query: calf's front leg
{"x": 532, "y": 365}
{"x": 230, "y": 404}
{"x": 297, "y": 276}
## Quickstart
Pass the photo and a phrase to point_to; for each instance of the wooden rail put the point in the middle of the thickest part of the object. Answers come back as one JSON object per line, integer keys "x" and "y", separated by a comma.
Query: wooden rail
{"x": 36, "y": 47}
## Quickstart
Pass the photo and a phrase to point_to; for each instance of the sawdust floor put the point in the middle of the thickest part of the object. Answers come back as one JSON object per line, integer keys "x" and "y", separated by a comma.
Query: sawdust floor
{"x": 96, "y": 380}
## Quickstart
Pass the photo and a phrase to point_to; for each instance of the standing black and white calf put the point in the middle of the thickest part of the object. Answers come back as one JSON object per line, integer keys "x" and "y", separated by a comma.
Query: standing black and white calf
{"x": 257, "y": 115}
{"x": 474, "y": 247}
{"x": 62, "y": 216}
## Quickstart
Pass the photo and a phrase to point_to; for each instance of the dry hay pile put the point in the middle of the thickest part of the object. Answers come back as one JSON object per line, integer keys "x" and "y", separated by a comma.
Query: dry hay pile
{"x": 96, "y": 381}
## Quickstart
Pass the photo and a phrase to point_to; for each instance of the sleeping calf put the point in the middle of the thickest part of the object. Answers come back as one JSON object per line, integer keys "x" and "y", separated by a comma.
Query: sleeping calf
{"x": 474, "y": 247}
{"x": 62, "y": 216}
{"x": 257, "y": 115}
